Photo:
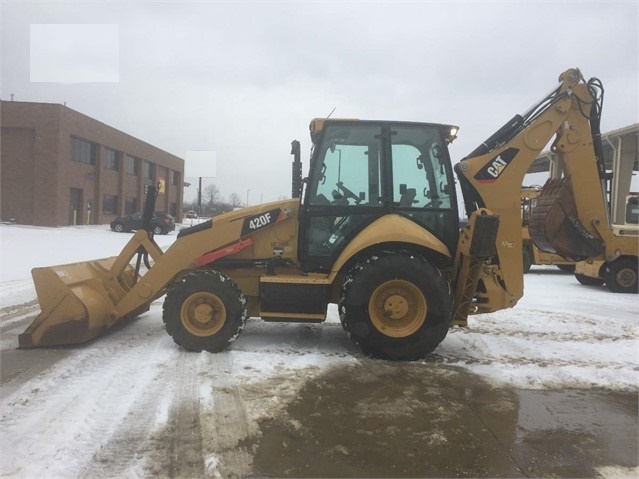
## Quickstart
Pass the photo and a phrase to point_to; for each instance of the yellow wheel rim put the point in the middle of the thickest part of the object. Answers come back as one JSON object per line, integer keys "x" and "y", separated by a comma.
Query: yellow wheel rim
{"x": 397, "y": 308}
{"x": 203, "y": 314}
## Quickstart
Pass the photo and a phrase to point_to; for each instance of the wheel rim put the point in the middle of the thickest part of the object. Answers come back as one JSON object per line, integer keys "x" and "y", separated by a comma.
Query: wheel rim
{"x": 626, "y": 277}
{"x": 203, "y": 314}
{"x": 119, "y": 228}
{"x": 397, "y": 308}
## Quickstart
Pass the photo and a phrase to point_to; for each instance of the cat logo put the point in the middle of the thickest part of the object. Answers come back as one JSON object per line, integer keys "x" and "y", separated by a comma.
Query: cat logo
{"x": 496, "y": 166}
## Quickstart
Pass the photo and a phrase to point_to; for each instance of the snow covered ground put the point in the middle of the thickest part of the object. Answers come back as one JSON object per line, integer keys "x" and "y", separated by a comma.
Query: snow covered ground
{"x": 560, "y": 335}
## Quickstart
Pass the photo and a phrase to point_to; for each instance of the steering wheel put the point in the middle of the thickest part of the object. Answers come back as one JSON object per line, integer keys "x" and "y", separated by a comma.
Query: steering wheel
{"x": 348, "y": 193}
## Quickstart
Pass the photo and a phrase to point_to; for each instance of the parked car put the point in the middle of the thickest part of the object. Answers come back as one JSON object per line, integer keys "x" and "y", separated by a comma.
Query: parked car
{"x": 191, "y": 214}
{"x": 161, "y": 223}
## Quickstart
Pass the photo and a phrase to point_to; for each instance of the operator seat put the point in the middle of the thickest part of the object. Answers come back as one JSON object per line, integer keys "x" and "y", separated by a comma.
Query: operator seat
{"x": 408, "y": 198}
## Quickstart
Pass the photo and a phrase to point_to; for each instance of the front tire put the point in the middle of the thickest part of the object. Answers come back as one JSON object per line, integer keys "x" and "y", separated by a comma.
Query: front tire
{"x": 205, "y": 310}
{"x": 396, "y": 307}
{"x": 118, "y": 228}
{"x": 621, "y": 275}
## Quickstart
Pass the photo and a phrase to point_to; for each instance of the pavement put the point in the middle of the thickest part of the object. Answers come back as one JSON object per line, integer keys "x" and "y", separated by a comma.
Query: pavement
{"x": 381, "y": 419}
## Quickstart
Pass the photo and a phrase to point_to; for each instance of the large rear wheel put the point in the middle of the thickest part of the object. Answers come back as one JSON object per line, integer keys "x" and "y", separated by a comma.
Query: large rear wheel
{"x": 205, "y": 310}
{"x": 396, "y": 306}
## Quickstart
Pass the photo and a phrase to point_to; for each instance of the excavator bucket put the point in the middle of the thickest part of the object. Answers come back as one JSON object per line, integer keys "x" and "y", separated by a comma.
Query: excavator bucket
{"x": 75, "y": 301}
{"x": 555, "y": 227}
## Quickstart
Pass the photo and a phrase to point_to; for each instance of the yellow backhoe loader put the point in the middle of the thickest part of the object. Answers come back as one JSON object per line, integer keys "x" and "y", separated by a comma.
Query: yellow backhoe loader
{"x": 374, "y": 228}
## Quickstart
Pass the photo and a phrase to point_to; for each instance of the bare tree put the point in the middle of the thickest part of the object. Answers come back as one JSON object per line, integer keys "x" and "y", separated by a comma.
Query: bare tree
{"x": 211, "y": 195}
{"x": 235, "y": 200}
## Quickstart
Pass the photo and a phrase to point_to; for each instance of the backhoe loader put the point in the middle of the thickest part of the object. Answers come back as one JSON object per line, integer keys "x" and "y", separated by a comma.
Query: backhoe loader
{"x": 374, "y": 228}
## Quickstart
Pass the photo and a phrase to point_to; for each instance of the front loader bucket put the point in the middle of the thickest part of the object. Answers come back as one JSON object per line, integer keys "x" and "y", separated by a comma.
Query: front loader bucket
{"x": 555, "y": 227}
{"x": 76, "y": 302}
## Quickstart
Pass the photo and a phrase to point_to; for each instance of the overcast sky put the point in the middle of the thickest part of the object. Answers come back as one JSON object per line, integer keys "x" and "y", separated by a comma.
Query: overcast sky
{"x": 245, "y": 78}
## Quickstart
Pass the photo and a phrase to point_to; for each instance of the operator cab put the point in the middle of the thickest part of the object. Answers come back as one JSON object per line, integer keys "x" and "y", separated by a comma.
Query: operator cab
{"x": 362, "y": 170}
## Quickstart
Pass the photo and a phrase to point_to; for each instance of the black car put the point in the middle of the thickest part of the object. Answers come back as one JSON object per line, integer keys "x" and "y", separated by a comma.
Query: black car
{"x": 161, "y": 223}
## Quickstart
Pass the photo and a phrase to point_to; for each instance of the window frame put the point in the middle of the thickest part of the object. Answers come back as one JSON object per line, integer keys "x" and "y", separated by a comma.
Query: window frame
{"x": 111, "y": 162}
{"x": 79, "y": 153}
{"x": 107, "y": 201}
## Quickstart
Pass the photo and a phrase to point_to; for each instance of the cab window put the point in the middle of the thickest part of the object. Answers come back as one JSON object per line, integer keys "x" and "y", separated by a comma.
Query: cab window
{"x": 420, "y": 176}
{"x": 348, "y": 172}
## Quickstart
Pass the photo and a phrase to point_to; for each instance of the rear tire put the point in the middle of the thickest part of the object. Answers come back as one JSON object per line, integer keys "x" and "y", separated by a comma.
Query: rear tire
{"x": 588, "y": 281}
{"x": 205, "y": 310}
{"x": 396, "y": 307}
{"x": 621, "y": 275}
{"x": 157, "y": 230}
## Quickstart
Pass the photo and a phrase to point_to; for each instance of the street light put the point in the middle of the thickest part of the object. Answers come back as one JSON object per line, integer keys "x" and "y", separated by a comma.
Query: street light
{"x": 247, "y": 197}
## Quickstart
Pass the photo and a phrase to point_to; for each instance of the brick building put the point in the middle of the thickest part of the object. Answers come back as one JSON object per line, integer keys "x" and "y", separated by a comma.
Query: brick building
{"x": 59, "y": 167}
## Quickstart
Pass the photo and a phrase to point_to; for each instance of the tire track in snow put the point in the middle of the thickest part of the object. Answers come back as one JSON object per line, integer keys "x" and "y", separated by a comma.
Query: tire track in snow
{"x": 78, "y": 404}
{"x": 593, "y": 337}
{"x": 522, "y": 361}
{"x": 225, "y": 422}
{"x": 185, "y": 439}
{"x": 127, "y": 451}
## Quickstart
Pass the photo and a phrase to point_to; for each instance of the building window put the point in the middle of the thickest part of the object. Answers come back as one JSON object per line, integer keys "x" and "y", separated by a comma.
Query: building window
{"x": 130, "y": 205}
{"x": 131, "y": 165}
{"x": 110, "y": 204}
{"x": 149, "y": 170}
{"x": 174, "y": 177}
{"x": 111, "y": 160}
{"x": 83, "y": 151}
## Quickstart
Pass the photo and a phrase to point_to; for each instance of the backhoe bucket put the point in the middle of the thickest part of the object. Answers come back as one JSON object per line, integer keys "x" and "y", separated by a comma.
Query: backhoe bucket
{"x": 554, "y": 225}
{"x": 76, "y": 302}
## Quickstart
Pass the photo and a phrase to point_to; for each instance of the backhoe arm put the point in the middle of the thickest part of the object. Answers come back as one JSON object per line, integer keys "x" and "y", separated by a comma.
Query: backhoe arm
{"x": 492, "y": 175}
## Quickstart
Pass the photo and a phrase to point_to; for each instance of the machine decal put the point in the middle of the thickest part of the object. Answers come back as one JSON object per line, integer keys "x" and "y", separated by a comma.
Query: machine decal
{"x": 491, "y": 171}
{"x": 261, "y": 220}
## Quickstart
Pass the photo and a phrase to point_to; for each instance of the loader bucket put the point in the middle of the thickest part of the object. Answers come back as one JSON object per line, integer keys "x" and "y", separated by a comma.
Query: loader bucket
{"x": 555, "y": 227}
{"x": 76, "y": 302}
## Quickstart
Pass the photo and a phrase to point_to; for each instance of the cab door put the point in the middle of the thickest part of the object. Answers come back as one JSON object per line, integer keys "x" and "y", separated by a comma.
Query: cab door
{"x": 344, "y": 193}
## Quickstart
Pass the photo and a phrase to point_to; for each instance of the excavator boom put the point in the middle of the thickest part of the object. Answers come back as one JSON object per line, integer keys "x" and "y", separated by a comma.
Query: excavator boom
{"x": 491, "y": 178}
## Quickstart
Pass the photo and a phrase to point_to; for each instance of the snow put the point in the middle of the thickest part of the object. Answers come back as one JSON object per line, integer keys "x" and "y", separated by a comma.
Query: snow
{"x": 560, "y": 335}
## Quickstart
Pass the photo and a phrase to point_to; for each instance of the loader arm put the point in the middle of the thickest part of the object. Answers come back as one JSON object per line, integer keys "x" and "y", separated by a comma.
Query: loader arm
{"x": 492, "y": 175}
{"x": 80, "y": 301}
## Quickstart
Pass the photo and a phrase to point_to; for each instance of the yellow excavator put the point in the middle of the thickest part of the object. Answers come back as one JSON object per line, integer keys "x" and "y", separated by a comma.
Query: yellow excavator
{"x": 374, "y": 228}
